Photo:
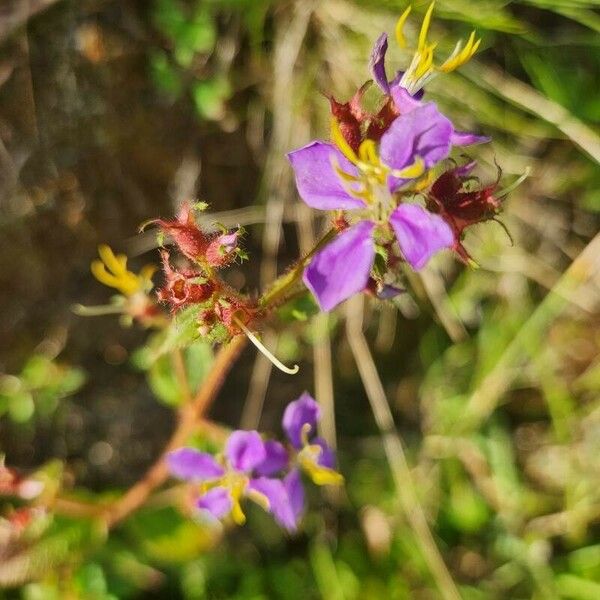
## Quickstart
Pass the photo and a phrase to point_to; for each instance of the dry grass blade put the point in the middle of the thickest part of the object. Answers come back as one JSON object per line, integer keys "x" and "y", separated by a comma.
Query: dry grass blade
{"x": 394, "y": 450}
{"x": 486, "y": 397}
{"x": 525, "y": 96}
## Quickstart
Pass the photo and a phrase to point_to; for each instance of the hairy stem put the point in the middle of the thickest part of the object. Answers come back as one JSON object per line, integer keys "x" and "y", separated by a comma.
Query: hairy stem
{"x": 276, "y": 293}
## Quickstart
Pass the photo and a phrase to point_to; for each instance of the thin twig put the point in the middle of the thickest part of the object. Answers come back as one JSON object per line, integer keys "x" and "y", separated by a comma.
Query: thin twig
{"x": 188, "y": 419}
{"x": 403, "y": 481}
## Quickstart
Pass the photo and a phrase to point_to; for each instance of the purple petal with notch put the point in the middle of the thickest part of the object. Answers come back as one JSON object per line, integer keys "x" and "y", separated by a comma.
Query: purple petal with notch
{"x": 422, "y": 133}
{"x": 464, "y": 138}
{"x": 276, "y": 459}
{"x": 303, "y": 411}
{"x": 420, "y": 234}
{"x": 191, "y": 465}
{"x": 317, "y": 182}
{"x": 295, "y": 491}
{"x": 327, "y": 456}
{"x": 377, "y": 63}
{"x": 279, "y": 501}
{"x": 216, "y": 502}
{"x": 245, "y": 450}
{"x": 342, "y": 268}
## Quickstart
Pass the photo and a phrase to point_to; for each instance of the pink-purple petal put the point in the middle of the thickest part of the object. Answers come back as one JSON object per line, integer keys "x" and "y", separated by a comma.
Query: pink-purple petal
{"x": 303, "y": 411}
{"x": 245, "y": 450}
{"x": 216, "y": 502}
{"x": 404, "y": 101}
{"x": 317, "y": 182}
{"x": 464, "y": 138}
{"x": 422, "y": 133}
{"x": 377, "y": 63}
{"x": 342, "y": 268}
{"x": 191, "y": 465}
{"x": 279, "y": 501}
{"x": 420, "y": 234}
{"x": 295, "y": 491}
{"x": 327, "y": 456}
{"x": 276, "y": 459}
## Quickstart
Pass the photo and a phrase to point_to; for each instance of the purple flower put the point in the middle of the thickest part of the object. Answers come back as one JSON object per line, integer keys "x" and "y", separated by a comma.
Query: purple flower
{"x": 248, "y": 461}
{"x": 327, "y": 180}
{"x": 314, "y": 456}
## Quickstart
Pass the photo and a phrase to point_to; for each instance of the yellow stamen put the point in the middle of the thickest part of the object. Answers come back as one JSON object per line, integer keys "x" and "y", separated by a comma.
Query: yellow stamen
{"x": 237, "y": 514}
{"x": 115, "y": 263}
{"x": 425, "y": 182}
{"x": 342, "y": 174}
{"x": 367, "y": 152}
{"x": 319, "y": 474}
{"x": 425, "y": 28}
{"x": 400, "y": 27}
{"x": 412, "y": 171}
{"x": 341, "y": 143}
{"x": 460, "y": 57}
{"x": 260, "y": 499}
{"x": 426, "y": 61}
{"x": 112, "y": 271}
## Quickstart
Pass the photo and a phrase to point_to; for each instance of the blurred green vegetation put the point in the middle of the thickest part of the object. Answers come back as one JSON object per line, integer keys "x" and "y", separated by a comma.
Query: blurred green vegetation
{"x": 492, "y": 373}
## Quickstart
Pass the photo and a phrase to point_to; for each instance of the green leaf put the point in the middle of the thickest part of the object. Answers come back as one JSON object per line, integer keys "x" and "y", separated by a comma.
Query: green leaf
{"x": 165, "y": 76}
{"x": 21, "y": 407}
{"x": 209, "y": 96}
{"x": 163, "y": 378}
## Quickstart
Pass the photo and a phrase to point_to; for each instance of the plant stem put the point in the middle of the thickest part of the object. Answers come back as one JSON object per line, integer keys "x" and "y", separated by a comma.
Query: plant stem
{"x": 403, "y": 481}
{"x": 282, "y": 285}
{"x": 191, "y": 411}
{"x": 188, "y": 417}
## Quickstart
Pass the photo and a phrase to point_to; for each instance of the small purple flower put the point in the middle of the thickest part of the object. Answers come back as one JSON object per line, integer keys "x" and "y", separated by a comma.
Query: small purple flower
{"x": 314, "y": 456}
{"x": 249, "y": 465}
{"x": 248, "y": 461}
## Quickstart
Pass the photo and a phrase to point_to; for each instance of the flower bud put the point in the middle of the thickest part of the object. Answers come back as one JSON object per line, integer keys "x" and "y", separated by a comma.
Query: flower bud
{"x": 222, "y": 250}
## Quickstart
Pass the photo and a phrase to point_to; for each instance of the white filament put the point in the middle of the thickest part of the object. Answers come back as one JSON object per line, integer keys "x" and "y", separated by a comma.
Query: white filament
{"x": 265, "y": 351}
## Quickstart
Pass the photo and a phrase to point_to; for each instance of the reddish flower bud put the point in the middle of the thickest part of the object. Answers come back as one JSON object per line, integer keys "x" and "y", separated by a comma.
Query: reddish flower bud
{"x": 339, "y": 222}
{"x": 460, "y": 209}
{"x": 222, "y": 250}
{"x": 232, "y": 311}
{"x": 350, "y": 117}
{"x": 381, "y": 122}
{"x": 183, "y": 288}
{"x": 14, "y": 484}
{"x": 184, "y": 231}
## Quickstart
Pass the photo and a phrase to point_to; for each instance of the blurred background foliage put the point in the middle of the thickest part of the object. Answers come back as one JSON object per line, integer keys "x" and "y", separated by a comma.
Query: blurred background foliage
{"x": 114, "y": 112}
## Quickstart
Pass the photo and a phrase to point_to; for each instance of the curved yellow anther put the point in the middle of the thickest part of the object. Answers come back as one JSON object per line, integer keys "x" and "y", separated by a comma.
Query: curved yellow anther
{"x": 425, "y": 28}
{"x": 367, "y": 152}
{"x": 400, "y": 27}
{"x": 425, "y": 62}
{"x": 460, "y": 57}
{"x": 112, "y": 271}
{"x": 412, "y": 171}
{"x": 339, "y": 140}
{"x": 320, "y": 475}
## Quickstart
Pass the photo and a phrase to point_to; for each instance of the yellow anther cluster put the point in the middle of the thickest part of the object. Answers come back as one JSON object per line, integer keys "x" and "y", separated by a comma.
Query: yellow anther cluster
{"x": 422, "y": 68}
{"x": 111, "y": 270}
{"x": 372, "y": 171}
